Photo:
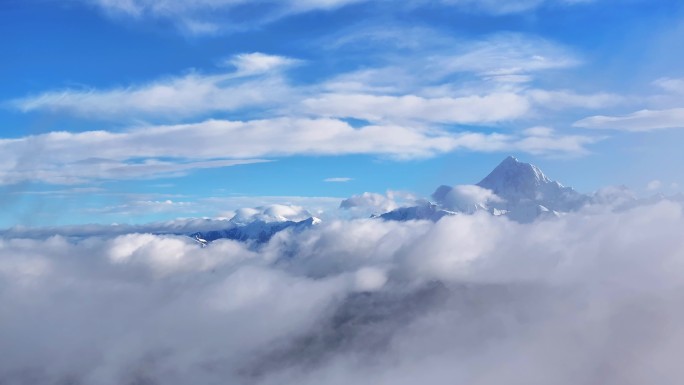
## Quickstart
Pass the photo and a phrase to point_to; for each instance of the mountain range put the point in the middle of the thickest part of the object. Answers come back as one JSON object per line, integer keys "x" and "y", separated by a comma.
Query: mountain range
{"x": 517, "y": 190}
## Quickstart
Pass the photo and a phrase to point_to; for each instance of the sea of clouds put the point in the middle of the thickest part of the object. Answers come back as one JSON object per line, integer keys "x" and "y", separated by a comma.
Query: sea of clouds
{"x": 593, "y": 297}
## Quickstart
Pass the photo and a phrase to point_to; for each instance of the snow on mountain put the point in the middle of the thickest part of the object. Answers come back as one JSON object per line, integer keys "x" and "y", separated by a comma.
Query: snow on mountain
{"x": 425, "y": 210}
{"x": 270, "y": 213}
{"x": 260, "y": 224}
{"x": 519, "y": 183}
{"x": 515, "y": 189}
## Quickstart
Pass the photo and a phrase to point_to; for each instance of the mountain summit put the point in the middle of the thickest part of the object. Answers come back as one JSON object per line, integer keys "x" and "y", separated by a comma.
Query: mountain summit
{"x": 515, "y": 179}
{"x": 519, "y": 183}
{"x": 516, "y": 189}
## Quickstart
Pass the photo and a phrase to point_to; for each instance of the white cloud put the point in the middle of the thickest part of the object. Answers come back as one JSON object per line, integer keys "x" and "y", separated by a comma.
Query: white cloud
{"x": 505, "y": 55}
{"x": 564, "y": 99}
{"x": 412, "y": 88}
{"x": 539, "y": 131}
{"x": 338, "y": 179}
{"x": 70, "y": 158}
{"x": 219, "y": 213}
{"x": 363, "y": 302}
{"x": 498, "y": 7}
{"x": 463, "y": 110}
{"x": 370, "y": 279}
{"x": 549, "y": 142}
{"x": 410, "y": 105}
{"x": 54, "y": 167}
{"x": 466, "y": 198}
{"x": 373, "y": 202}
{"x": 189, "y": 95}
{"x": 142, "y": 207}
{"x": 674, "y": 85}
{"x": 211, "y": 16}
{"x": 433, "y": 59}
{"x": 271, "y": 213}
{"x": 259, "y": 63}
{"x": 654, "y": 185}
{"x": 644, "y": 120}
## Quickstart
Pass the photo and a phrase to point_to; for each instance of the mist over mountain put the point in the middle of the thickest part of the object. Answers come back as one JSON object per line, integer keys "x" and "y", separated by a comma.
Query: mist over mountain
{"x": 366, "y": 301}
{"x": 520, "y": 191}
{"x": 457, "y": 290}
{"x": 320, "y": 192}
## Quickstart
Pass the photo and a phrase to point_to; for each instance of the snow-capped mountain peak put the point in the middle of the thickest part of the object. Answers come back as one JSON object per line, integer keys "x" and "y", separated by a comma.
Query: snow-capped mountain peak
{"x": 516, "y": 189}
{"x": 519, "y": 183}
{"x": 260, "y": 224}
{"x": 515, "y": 179}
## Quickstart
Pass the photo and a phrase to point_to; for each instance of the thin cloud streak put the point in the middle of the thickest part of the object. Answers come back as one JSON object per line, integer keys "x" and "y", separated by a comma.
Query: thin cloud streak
{"x": 640, "y": 121}
{"x": 152, "y": 151}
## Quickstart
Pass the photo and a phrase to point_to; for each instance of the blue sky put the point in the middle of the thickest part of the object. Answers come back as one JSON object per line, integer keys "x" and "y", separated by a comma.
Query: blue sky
{"x": 140, "y": 110}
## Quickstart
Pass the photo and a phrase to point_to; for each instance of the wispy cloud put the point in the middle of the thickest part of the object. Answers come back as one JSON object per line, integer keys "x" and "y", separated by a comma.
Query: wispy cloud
{"x": 433, "y": 60}
{"x": 498, "y": 7}
{"x": 256, "y": 80}
{"x": 151, "y": 151}
{"x": 207, "y": 17}
{"x": 259, "y": 63}
{"x": 338, "y": 180}
{"x": 464, "y": 110}
{"x": 674, "y": 85}
{"x": 408, "y": 107}
{"x": 565, "y": 99}
{"x": 654, "y": 185}
{"x": 418, "y": 88}
{"x": 644, "y": 120}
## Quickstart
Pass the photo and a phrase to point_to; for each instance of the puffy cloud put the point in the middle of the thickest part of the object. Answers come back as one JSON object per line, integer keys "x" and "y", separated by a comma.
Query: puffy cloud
{"x": 373, "y": 203}
{"x": 464, "y": 198}
{"x": 271, "y": 213}
{"x": 363, "y": 301}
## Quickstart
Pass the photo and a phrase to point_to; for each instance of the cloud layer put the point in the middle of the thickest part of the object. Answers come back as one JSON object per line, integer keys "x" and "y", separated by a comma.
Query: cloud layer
{"x": 476, "y": 298}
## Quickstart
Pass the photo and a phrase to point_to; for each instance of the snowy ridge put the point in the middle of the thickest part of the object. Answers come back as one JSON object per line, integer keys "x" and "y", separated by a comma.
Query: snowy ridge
{"x": 523, "y": 184}
{"x": 515, "y": 189}
{"x": 259, "y": 224}
{"x": 427, "y": 210}
{"x": 258, "y": 230}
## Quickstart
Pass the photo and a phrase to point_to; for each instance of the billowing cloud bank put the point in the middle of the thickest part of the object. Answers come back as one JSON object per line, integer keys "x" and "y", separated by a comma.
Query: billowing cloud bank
{"x": 588, "y": 298}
